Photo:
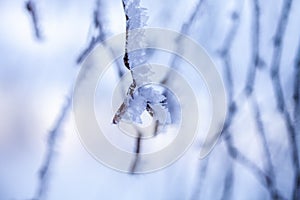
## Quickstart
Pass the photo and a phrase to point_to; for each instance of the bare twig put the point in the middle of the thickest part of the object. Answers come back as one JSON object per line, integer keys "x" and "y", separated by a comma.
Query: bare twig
{"x": 279, "y": 95}
{"x": 255, "y": 64}
{"x": 296, "y": 95}
{"x": 31, "y": 8}
{"x": 185, "y": 27}
{"x": 256, "y": 61}
{"x": 228, "y": 183}
{"x": 100, "y": 34}
{"x": 50, "y": 151}
{"x": 225, "y": 56}
{"x": 137, "y": 153}
{"x": 262, "y": 177}
{"x": 265, "y": 179}
{"x": 201, "y": 175}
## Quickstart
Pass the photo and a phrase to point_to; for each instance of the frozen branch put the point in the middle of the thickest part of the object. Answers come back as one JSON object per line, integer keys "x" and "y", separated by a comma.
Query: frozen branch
{"x": 135, "y": 18}
{"x": 31, "y": 8}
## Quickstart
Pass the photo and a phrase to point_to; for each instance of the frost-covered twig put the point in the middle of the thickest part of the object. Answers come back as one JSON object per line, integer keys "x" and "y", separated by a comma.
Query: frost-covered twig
{"x": 50, "y": 150}
{"x": 31, "y": 8}
{"x": 135, "y": 18}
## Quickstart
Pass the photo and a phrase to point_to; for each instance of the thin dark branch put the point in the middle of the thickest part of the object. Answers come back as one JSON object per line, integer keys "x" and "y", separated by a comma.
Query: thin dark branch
{"x": 255, "y": 64}
{"x": 31, "y": 8}
{"x": 228, "y": 184}
{"x": 99, "y": 37}
{"x": 225, "y": 56}
{"x": 203, "y": 165}
{"x": 262, "y": 135}
{"x": 137, "y": 153}
{"x": 256, "y": 61}
{"x": 50, "y": 151}
{"x": 279, "y": 95}
{"x": 261, "y": 176}
{"x": 100, "y": 34}
{"x": 276, "y": 58}
{"x": 184, "y": 29}
{"x": 296, "y": 95}
{"x": 296, "y": 92}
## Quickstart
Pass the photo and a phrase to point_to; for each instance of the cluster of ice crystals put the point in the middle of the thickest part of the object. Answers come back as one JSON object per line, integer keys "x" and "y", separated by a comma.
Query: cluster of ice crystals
{"x": 143, "y": 97}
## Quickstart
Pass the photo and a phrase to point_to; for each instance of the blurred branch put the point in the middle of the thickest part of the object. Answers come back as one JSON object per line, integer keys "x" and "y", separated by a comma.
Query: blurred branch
{"x": 184, "y": 29}
{"x": 297, "y": 86}
{"x": 137, "y": 152}
{"x": 31, "y": 8}
{"x": 255, "y": 64}
{"x": 279, "y": 95}
{"x": 276, "y": 58}
{"x": 262, "y": 135}
{"x": 265, "y": 179}
{"x": 226, "y": 59}
{"x": 256, "y": 61}
{"x": 98, "y": 37}
{"x": 225, "y": 56}
{"x": 296, "y": 192}
{"x": 262, "y": 177}
{"x": 227, "y": 188}
{"x": 201, "y": 175}
{"x": 50, "y": 150}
